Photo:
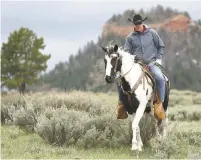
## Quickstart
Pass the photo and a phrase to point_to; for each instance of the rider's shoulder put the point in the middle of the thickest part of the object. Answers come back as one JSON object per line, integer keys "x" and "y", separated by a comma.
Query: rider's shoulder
{"x": 129, "y": 36}
{"x": 149, "y": 29}
{"x": 153, "y": 30}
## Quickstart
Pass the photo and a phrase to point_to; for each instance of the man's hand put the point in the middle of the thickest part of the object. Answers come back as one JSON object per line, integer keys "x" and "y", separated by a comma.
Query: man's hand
{"x": 118, "y": 75}
{"x": 159, "y": 61}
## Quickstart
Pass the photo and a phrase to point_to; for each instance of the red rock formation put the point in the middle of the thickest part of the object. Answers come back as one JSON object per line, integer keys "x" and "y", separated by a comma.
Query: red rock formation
{"x": 177, "y": 23}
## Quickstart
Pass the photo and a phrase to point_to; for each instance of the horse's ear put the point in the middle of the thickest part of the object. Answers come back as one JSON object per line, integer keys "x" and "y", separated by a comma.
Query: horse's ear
{"x": 115, "y": 48}
{"x": 103, "y": 48}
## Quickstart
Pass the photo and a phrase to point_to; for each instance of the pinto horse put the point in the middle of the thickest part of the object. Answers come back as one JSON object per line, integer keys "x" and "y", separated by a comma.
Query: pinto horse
{"x": 117, "y": 60}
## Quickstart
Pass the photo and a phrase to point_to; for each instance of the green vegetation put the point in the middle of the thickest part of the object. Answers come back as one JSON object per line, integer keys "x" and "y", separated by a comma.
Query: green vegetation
{"x": 83, "y": 125}
{"x": 22, "y": 60}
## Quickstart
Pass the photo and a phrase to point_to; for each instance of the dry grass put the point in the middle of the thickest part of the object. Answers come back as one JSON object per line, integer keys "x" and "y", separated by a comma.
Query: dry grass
{"x": 87, "y": 120}
{"x": 76, "y": 118}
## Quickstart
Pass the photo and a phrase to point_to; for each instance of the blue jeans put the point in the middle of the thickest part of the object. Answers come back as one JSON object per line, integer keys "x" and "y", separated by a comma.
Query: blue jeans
{"x": 118, "y": 90}
{"x": 160, "y": 81}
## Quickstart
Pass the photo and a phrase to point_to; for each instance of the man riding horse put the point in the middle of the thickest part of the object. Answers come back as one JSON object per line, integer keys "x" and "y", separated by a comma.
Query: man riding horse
{"x": 148, "y": 47}
{"x": 136, "y": 86}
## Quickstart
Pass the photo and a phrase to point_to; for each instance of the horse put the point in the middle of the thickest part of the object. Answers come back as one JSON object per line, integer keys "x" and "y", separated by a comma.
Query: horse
{"x": 132, "y": 76}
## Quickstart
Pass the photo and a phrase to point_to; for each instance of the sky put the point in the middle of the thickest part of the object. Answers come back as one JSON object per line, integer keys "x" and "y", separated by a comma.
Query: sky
{"x": 67, "y": 26}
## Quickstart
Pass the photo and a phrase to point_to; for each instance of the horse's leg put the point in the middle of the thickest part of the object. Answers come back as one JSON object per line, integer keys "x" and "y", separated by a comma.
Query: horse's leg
{"x": 156, "y": 126}
{"x": 165, "y": 125}
{"x": 139, "y": 140}
{"x": 134, "y": 128}
{"x": 135, "y": 123}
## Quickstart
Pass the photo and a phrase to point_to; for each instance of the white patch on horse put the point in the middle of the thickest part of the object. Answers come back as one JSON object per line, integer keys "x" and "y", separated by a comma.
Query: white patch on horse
{"x": 131, "y": 72}
{"x": 108, "y": 66}
{"x": 132, "y": 78}
{"x": 165, "y": 125}
{"x": 113, "y": 55}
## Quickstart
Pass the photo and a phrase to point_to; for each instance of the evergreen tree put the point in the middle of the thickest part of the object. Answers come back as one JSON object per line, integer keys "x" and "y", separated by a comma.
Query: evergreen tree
{"x": 22, "y": 60}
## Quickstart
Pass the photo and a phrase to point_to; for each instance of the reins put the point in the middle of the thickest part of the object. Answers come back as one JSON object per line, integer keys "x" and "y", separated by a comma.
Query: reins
{"x": 140, "y": 80}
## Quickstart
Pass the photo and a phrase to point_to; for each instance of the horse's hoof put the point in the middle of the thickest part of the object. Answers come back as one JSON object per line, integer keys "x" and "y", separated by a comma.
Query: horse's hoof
{"x": 134, "y": 148}
{"x": 139, "y": 148}
{"x": 136, "y": 153}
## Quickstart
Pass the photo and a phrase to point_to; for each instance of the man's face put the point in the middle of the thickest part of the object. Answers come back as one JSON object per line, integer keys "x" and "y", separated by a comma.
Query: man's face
{"x": 138, "y": 27}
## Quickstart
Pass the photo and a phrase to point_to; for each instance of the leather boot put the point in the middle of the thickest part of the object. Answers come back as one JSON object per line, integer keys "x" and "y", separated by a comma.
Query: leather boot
{"x": 121, "y": 112}
{"x": 159, "y": 111}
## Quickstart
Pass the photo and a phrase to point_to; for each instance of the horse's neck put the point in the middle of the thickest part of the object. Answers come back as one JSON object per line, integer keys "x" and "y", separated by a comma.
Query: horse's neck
{"x": 134, "y": 73}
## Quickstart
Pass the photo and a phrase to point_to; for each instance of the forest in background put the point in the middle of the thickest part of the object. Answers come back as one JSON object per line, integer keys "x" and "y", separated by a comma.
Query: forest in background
{"x": 182, "y": 58}
{"x": 85, "y": 70}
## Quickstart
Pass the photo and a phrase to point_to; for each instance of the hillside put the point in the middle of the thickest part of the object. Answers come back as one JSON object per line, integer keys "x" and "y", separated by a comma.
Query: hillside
{"x": 178, "y": 23}
{"x": 181, "y": 36}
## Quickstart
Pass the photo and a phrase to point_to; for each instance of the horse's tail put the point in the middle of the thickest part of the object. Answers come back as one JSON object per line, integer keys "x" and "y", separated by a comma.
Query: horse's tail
{"x": 166, "y": 100}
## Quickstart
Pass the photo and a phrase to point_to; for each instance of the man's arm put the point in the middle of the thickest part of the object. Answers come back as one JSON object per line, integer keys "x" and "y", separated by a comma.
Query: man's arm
{"x": 128, "y": 45}
{"x": 159, "y": 45}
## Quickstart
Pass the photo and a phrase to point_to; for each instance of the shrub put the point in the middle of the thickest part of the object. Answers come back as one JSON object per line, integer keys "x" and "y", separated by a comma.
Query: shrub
{"x": 147, "y": 128}
{"x": 185, "y": 116}
{"x": 197, "y": 99}
{"x": 164, "y": 147}
{"x": 66, "y": 127}
{"x": 73, "y": 118}
{"x": 25, "y": 118}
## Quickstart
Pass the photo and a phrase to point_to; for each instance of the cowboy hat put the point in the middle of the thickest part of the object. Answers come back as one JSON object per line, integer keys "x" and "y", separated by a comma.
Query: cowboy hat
{"x": 137, "y": 19}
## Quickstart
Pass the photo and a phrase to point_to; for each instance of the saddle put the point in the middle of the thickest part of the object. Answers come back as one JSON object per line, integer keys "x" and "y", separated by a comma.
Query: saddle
{"x": 158, "y": 111}
{"x": 147, "y": 72}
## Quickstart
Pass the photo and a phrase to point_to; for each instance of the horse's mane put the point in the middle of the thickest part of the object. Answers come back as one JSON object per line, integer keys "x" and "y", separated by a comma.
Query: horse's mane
{"x": 126, "y": 54}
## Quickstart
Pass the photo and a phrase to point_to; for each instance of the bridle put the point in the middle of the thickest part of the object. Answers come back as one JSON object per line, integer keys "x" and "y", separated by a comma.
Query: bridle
{"x": 116, "y": 65}
{"x": 140, "y": 80}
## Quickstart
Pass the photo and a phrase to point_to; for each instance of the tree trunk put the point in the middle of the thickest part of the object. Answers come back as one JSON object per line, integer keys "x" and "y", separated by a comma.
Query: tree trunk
{"x": 3, "y": 118}
{"x": 22, "y": 88}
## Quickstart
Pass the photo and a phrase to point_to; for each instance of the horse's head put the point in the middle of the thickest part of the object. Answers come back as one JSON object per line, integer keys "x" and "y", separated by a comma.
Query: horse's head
{"x": 112, "y": 62}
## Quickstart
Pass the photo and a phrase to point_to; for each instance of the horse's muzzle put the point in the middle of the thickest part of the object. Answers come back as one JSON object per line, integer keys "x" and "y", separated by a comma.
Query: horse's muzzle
{"x": 108, "y": 79}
